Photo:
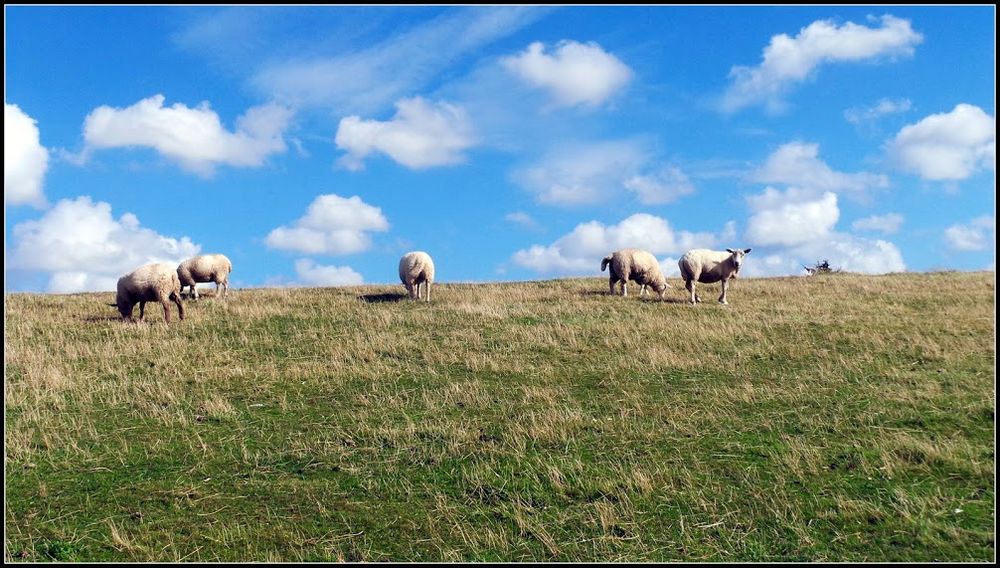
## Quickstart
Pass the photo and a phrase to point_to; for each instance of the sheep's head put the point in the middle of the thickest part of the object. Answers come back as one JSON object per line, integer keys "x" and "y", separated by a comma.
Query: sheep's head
{"x": 736, "y": 256}
{"x": 660, "y": 285}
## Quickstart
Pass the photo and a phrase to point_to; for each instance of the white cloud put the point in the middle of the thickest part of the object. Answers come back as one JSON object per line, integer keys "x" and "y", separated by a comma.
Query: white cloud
{"x": 194, "y": 137}
{"x": 523, "y": 219}
{"x": 790, "y": 60}
{"x": 978, "y": 234}
{"x": 576, "y": 73}
{"x": 85, "y": 249}
{"x": 795, "y": 228}
{"x": 420, "y": 135}
{"x": 577, "y": 174}
{"x": 948, "y": 146}
{"x": 843, "y": 251}
{"x": 312, "y": 274}
{"x": 331, "y": 225}
{"x": 666, "y": 186}
{"x": 25, "y": 160}
{"x": 861, "y": 115}
{"x": 366, "y": 80}
{"x": 888, "y": 223}
{"x": 790, "y": 218}
{"x": 797, "y": 164}
{"x": 581, "y": 251}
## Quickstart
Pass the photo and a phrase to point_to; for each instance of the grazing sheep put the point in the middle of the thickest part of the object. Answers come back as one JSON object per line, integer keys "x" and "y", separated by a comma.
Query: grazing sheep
{"x": 634, "y": 264}
{"x": 708, "y": 266}
{"x": 414, "y": 268}
{"x": 155, "y": 282}
{"x": 205, "y": 268}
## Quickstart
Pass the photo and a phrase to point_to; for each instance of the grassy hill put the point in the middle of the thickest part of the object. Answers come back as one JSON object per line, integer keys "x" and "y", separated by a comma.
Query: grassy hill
{"x": 839, "y": 417}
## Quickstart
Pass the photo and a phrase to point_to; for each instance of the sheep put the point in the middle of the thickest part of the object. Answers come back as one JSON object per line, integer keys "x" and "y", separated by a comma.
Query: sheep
{"x": 634, "y": 264}
{"x": 708, "y": 266}
{"x": 152, "y": 282}
{"x": 416, "y": 267}
{"x": 205, "y": 268}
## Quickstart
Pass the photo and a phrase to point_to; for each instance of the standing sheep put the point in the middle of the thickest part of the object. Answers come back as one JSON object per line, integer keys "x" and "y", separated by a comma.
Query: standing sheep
{"x": 414, "y": 268}
{"x": 205, "y": 268}
{"x": 155, "y": 282}
{"x": 634, "y": 264}
{"x": 708, "y": 266}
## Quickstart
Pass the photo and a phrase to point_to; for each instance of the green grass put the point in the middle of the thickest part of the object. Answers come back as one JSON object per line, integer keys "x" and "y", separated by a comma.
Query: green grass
{"x": 833, "y": 418}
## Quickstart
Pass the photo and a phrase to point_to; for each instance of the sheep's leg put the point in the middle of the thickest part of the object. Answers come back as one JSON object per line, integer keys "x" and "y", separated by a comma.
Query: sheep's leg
{"x": 642, "y": 289}
{"x": 419, "y": 295}
{"x": 194, "y": 291}
{"x": 142, "y": 311}
{"x": 427, "y": 284}
{"x": 690, "y": 288}
{"x": 611, "y": 284}
{"x": 180, "y": 306}
{"x": 725, "y": 285}
{"x": 624, "y": 288}
{"x": 409, "y": 290}
{"x": 166, "y": 310}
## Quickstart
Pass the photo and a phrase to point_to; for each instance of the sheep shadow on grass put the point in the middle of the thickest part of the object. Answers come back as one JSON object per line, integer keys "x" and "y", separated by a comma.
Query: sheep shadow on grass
{"x": 379, "y": 298}
{"x": 647, "y": 298}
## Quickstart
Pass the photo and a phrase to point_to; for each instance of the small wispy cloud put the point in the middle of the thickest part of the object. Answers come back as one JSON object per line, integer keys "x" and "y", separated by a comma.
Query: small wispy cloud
{"x": 865, "y": 115}
{"x": 888, "y": 223}
{"x": 977, "y": 234}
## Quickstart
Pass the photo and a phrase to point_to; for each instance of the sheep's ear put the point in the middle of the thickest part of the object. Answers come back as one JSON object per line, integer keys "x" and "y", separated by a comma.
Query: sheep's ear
{"x": 747, "y": 251}
{"x": 730, "y": 251}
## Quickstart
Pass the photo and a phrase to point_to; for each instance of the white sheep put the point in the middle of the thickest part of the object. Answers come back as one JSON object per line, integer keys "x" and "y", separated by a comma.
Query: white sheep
{"x": 634, "y": 264}
{"x": 205, "y": 268}
{"x": 155, "y": 282}
{"x": 709, "y": 266}
{"x": 416, "y": 267}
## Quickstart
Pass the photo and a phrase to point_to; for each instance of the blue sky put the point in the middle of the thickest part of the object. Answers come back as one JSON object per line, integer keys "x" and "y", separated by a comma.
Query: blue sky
{"x": 314, "y": 146}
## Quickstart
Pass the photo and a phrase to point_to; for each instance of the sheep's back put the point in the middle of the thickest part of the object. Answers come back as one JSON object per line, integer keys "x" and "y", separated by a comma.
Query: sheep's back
{"x": 415, "y": 264}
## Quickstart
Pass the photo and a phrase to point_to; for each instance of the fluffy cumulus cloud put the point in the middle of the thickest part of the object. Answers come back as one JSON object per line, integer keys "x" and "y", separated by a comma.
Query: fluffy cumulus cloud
{"x": 798, "y": 164}
{"x": 978, "y": 234}
{"x": 193, "y": 137}
{"x": 331, "y": 225}
{"x": 795, "y": 228}
{"x": 790, "y": 60}
{"x": 581, "y": 251}
{"x": 573, "y": 74}
{"x": 420, "y": 135}
{"x": 888, "y": 223}
{"x": 665, "y": 186}
{"x": 791, "y": 217}
{"x": 25, "y": 160}
{"x": 83, "y": 247}
{"x": 948, "y": 146}
{"x": 312, "y": 274}
{"x": 576, "y": 174}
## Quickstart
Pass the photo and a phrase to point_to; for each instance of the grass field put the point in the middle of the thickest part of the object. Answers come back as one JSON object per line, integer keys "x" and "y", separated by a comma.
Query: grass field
{"x": 839, "y": 418}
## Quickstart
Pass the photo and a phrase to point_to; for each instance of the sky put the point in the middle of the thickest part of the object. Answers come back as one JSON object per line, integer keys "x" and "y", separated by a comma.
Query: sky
{"x": 314, "y": 146}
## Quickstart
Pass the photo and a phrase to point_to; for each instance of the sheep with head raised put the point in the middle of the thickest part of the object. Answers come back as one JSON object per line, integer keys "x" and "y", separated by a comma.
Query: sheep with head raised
{"x": 634, "y": 264}
{"x": 415, "y": 268}
{"x": 155, "y": 282}
{"x": 205, "y": 268}
{"x": 710, "y": 266}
